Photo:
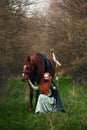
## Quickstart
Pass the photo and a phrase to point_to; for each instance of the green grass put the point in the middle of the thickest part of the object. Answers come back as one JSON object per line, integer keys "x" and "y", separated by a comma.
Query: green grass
{"x": 14, "y": 101}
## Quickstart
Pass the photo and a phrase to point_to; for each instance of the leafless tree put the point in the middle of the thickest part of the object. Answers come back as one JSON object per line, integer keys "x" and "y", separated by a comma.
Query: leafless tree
{"x": 15, "y": 34}
{"x": 68, "y": 33}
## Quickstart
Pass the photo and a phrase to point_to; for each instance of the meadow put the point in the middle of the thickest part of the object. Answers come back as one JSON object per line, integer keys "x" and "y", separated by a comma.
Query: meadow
{"x": 14, "y": 101}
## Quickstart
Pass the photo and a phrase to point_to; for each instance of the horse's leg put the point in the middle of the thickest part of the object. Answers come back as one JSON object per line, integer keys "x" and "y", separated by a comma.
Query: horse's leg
{"x": 31, "y": 99}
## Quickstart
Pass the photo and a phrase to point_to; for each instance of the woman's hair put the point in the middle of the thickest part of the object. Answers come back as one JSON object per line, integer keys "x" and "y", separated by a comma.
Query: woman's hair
{"x": 45, "y": 84}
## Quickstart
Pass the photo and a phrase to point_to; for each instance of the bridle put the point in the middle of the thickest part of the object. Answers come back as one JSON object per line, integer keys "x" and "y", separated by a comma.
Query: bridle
{"x": 25, "y": 73}
{"x": 29, "y": 70}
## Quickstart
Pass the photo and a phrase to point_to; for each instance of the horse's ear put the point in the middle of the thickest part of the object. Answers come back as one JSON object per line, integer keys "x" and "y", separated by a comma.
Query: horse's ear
{"x": 28, "y": 58}
{"x": 23, "y": 59}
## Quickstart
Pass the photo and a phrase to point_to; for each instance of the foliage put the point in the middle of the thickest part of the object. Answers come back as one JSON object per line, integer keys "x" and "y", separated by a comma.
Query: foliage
{"x": 68, "y": 33}
{"x": 64, "y": 28}
{"x": 14, "y": 37}
{"x": 15, "y": 116}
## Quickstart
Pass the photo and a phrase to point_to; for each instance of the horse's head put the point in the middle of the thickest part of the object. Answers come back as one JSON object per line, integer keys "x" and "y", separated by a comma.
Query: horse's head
{"x": 27, "y": 69}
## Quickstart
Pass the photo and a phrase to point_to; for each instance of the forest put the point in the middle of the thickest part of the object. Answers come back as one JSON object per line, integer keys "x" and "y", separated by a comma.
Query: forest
{"x": 62, "y": 27}
{"x": 31, "y": 26}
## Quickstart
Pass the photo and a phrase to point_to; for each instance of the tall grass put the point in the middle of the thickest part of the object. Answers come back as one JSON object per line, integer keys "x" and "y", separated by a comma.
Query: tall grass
{"x": 14, "y": 101}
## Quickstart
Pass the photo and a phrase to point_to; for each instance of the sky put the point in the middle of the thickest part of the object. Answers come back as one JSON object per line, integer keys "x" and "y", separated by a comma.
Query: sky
{"x": 37, "y": 6}
{"x": 40, "y": 6}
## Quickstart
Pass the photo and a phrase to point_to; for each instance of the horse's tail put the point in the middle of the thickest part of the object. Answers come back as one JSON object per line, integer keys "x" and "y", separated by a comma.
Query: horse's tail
{"x": 54, "y": 58}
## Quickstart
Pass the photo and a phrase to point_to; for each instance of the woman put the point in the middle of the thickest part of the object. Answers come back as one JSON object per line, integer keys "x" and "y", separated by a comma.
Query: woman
{"x": 46, "y": 100}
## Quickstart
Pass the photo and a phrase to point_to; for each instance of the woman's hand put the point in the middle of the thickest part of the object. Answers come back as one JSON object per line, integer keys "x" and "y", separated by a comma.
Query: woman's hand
{"x": 32, "y": 86}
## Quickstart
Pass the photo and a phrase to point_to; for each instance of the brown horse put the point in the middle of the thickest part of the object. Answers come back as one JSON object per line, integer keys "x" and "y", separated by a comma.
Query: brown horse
{"x": 34, "y": 68}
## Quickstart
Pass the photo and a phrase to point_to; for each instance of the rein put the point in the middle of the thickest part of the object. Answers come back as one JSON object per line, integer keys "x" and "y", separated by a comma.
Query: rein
{"x": 25, "y": 73}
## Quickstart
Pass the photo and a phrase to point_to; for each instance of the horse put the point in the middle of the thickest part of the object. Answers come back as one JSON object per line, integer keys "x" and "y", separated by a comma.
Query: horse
{"x": 34, "y": 67}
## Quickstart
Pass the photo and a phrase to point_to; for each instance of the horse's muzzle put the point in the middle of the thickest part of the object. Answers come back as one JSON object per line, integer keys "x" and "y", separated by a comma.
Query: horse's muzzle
{"x": 24, "y": 77}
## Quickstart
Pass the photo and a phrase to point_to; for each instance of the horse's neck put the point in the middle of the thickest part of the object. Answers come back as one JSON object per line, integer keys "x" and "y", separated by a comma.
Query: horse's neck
{"x": 34, "y": 61}
{"x": 38, "y": 67}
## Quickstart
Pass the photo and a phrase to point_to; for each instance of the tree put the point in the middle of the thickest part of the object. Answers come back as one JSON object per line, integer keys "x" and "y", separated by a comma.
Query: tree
{"x": 78, "y": 17}
{"x": 13, "y": 39}
{"x": 68, "y": 32}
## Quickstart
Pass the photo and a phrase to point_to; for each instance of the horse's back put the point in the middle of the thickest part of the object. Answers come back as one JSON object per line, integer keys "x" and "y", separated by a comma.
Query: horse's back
{"x": 48, "y": 62}
{"x": 43, "y": 63}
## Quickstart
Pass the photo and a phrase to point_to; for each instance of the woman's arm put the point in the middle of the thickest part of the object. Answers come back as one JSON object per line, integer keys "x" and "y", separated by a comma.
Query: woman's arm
{"x": 32, "y": 86}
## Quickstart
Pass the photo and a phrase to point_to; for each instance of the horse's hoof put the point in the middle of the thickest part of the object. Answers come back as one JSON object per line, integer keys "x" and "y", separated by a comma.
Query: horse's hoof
{"x": 30, "y": 109}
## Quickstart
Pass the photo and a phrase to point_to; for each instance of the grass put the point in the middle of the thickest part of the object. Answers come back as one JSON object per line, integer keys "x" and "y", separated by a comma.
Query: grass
{"x": 14, "y": 101}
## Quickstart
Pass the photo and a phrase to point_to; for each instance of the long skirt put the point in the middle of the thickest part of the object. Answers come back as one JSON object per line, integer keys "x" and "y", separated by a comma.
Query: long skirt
{"x": 45, "y": 104}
